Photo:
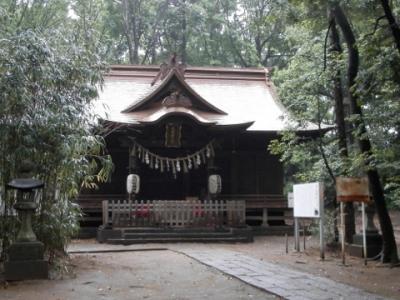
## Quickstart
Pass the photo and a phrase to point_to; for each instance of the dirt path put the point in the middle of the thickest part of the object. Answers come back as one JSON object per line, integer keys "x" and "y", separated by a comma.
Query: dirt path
{"x": 170, "y": 275}
{"x": 160, "y": 275}
{"x": 374, "y": 277}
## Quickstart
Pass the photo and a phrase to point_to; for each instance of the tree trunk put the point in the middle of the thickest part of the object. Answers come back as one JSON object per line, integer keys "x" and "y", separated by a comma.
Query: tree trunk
{"x": 389, "y": 241}
{"x": 394, "y": 26}
{"x": 341, "y": 125}
{"x": 128, "y": 11}
{"x": 183, "y": 44}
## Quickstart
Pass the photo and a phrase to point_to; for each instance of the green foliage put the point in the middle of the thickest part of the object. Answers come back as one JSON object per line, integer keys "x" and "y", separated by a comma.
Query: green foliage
{"x": 57, "y": 223}
{"x": 48, "y": 80}
{"x": 305, "y": 87}
{"x": 207, "y": 32}
{"x": 330, "y": 220}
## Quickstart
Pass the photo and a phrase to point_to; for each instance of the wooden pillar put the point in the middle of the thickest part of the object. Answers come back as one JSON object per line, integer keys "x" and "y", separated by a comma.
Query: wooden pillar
{"x": 265, "y": 218}
{"x": 234, "y": 173}
{"x": 133, "y": 168}
{"x": 186, "y": 184}
{"x": 234, "y": 168}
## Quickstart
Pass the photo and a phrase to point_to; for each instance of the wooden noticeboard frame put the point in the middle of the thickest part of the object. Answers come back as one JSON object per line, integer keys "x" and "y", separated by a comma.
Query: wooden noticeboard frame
{"x": 353, "y": 189}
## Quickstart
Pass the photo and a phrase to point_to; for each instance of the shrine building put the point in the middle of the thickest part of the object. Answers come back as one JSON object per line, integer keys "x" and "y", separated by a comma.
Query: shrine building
{"x": 178, "y": 130}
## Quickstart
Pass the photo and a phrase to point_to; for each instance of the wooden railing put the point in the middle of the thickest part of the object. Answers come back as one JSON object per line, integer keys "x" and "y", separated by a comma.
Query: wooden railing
{"x": 170, "y": 213}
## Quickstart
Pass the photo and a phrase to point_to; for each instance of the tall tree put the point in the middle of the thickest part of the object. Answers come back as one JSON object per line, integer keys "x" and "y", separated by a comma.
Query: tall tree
{"x": 394, "y": 25}
{"x": 389, "y": 241}
{"x": 336, "y": 51}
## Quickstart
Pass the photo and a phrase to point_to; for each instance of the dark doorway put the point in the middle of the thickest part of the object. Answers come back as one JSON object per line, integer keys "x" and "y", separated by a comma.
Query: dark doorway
{"x": 165, "y": 186}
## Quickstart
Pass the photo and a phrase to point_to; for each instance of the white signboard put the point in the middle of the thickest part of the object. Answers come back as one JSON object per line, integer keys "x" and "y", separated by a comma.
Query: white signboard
{"x": 308, "y": 200}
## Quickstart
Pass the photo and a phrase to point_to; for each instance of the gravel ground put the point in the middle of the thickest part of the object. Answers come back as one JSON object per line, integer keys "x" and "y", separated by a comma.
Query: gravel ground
{"x": 136, "y": 275}
{"x": 170, "y": 275}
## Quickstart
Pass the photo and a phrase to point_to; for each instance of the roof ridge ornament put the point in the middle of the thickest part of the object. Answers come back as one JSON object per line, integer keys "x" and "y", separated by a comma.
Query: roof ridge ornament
{"x": 177, "y": 98}
{"x": 166, "y": 68}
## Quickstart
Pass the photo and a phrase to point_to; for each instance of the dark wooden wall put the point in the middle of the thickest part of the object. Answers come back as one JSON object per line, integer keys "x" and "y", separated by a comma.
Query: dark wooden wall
{"x": 242, "y": 160}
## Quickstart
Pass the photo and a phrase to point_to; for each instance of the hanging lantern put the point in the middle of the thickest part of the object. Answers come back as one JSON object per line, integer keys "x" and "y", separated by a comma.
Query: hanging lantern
{"x": 214, "y": 184}
{"x": 133, "y": 184}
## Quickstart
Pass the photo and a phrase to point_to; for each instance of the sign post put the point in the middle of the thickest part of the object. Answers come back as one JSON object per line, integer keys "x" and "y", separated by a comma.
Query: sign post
{"x": 343, "y": 232}
{"x": 364, "y": 233}
{"x": 355, "y": 189}
{"x": 308, "y": 202}
{"x": 296, "y": 235}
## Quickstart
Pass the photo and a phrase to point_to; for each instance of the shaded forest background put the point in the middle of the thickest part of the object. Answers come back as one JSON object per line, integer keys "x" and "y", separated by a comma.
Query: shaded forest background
{"x": 334, "y": 62}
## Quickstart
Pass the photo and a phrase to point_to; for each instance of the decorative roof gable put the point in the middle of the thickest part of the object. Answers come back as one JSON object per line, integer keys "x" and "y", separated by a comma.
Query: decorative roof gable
{"x": 173, "y": 91}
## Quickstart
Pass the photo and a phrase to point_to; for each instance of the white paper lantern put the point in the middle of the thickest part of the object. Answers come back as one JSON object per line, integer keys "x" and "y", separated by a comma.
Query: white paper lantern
{"x": 214, "y": 184}
{"x": 133, "y": 184}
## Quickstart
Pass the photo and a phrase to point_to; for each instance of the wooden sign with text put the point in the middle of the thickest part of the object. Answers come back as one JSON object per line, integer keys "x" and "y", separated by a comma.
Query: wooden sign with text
{"x": 352, "y": 189}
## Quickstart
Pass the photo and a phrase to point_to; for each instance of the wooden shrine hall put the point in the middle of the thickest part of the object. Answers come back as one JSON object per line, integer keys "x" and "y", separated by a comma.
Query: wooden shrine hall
{"x": 195, "y": 139}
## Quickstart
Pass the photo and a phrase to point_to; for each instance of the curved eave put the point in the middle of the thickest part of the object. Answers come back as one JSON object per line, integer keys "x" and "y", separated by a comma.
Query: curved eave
{"x": 176, "y": 111}
{"x": 173, "y": 73}
{"x": 239, "y": 126}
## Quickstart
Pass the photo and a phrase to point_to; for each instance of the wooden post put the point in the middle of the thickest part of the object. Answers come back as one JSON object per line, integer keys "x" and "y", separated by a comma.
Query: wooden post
{"x": 296, "y": 235}
{"x": 287, "y": 243}
{"x": 105, "y": 212}
{"x": 321, "y": 237}
{"x": 265, "y": 217}
{"x": 304, "y": 235}
{"x": 364, "y": 233}
{"x": 130, "y": 210}
{"x": 343, "y": 232}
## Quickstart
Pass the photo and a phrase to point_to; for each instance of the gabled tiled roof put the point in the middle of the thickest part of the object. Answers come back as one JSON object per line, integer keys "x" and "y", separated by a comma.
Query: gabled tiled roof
{"x": 239, "y": 96}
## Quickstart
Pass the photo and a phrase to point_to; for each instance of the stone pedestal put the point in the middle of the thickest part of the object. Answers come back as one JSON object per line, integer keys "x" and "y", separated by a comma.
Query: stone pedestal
{"x": 26, "y": 262}
{"x": 374, "y": 239}
{"x": 374, "y": 245}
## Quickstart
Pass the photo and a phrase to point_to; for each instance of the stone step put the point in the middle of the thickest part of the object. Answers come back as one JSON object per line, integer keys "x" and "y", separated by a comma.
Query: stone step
{"x": 141, "y": 235}
{"x": 87, "y": 232}
{"x": 175, "y": 230}
{"x": 273, "y": 230}
{"x": 233, "y": 239}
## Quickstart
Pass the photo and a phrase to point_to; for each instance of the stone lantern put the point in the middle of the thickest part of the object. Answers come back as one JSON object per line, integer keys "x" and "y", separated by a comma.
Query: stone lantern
{"x": 26, "y": 253}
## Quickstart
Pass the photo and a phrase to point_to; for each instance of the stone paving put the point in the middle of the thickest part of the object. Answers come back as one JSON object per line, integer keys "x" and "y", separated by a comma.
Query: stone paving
{"x": 276, "y": 279}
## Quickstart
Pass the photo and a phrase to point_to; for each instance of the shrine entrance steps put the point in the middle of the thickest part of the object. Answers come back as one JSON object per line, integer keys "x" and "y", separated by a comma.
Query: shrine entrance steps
{"x": 139, "y": 235}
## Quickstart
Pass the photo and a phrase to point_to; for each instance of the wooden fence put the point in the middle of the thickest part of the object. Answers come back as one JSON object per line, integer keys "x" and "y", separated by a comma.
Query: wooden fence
{"x": 169, "y": 213}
